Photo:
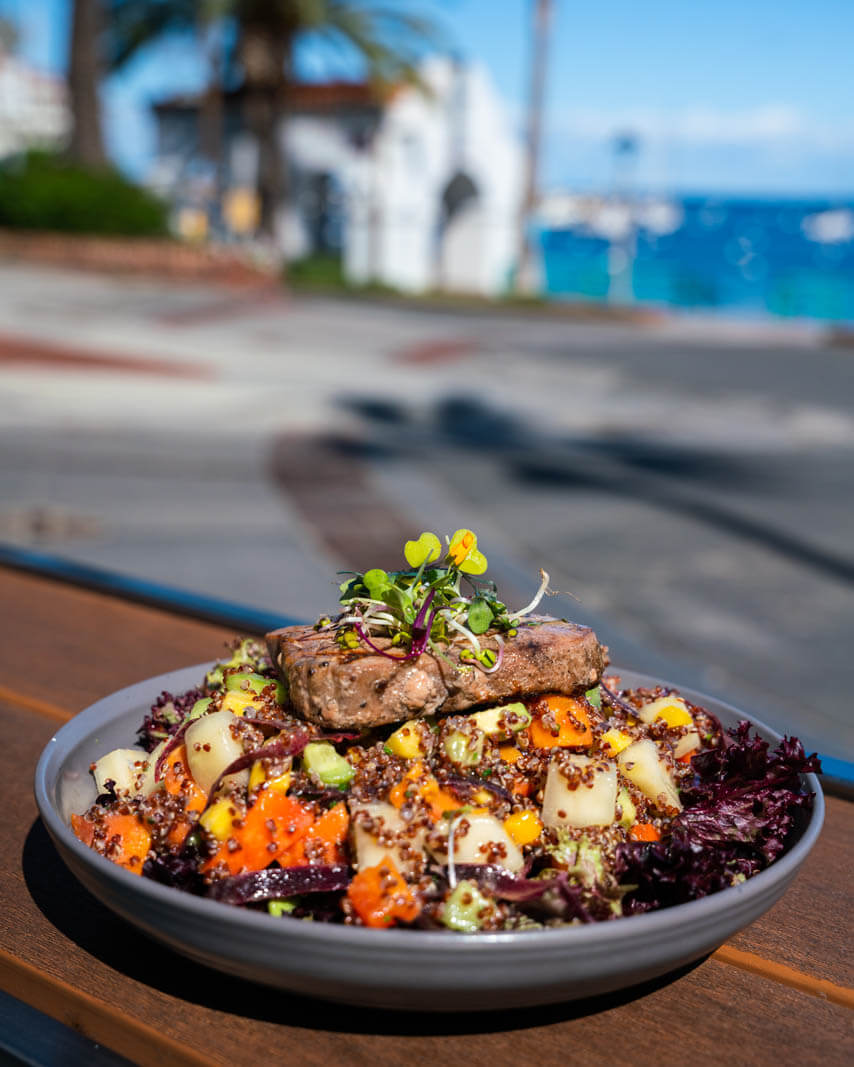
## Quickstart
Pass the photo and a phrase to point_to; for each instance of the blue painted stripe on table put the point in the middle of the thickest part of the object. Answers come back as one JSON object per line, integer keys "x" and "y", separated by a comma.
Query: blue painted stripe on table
{"x": 196, "y": 605}
{"x": 837, "y": 775}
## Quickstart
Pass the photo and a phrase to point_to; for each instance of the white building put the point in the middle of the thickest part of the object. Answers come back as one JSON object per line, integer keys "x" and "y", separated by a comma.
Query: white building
{"x": 435, "y": 200}
{"x": 33, "y": 108}
{"x": 419, "y": 191}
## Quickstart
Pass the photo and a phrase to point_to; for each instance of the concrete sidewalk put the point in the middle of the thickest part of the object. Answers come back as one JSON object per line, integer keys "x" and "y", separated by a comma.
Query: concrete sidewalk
{"x": 695, "y": 494}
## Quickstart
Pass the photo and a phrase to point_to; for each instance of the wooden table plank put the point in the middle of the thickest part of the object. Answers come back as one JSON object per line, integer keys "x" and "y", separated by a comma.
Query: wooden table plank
{"x": 64, "y": 648}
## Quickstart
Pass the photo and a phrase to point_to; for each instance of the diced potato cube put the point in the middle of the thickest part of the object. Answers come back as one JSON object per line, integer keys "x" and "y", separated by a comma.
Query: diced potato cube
{"x": 124, "y": 767}
{"x": 478, "y": 838}
{"x": 689, "y": 743}
{"x": 641, "y": 764}
{"x": 148, "y": 784}
{"x": 211, "y": 747}
{"x": 390, "y": 835}
{"x": 593, "y": 803}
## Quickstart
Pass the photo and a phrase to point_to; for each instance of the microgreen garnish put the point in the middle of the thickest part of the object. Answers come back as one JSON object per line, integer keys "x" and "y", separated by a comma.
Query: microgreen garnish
{"x": 424, "y": 608}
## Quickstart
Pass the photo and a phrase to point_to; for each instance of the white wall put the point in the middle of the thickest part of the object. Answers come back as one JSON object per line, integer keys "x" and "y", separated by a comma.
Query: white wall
{"x": 395, "y": 191}
{"x": 33, "y": 108}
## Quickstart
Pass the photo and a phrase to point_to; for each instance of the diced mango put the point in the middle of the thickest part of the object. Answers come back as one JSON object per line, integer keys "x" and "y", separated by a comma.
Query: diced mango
{"x": 509, "y": 753}
{"x": 616, "y": 740}
{"x": 258, "y": 776}
{"x": 671, "y": 710}
{"x": 239, "y": 702}
{"x": 281, "y": 784}
{"x": 405, "y": 742}
{"x": 523, "y": 826}
{"x": 217, "y": 820}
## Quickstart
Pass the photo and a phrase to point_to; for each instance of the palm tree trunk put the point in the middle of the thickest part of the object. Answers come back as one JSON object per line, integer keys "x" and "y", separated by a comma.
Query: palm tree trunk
{"x": 84, "y": 75}
{"x": 265, "y": 49}
{"x": 263, "y": 115}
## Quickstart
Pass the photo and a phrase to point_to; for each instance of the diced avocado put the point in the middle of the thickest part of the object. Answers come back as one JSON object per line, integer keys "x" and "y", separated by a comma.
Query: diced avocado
{"x": 199, "y": 708}
{"x": 502, "y": 721}
{"x": 321, "y": 759}
{"x": 250, "y": 652}
{"x": 255, "y": 683}
{"x": 594, "y": 697}
{"x": 627, "y": 806}
{"x": 465, "y": 750}
{"x": 214, "y": 677}
{"x": 278, "y": 908}
{"x": 466, "y": 908}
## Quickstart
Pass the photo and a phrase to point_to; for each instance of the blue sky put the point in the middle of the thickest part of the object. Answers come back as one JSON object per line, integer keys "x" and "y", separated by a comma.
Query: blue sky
{"x": 724, "y": 95}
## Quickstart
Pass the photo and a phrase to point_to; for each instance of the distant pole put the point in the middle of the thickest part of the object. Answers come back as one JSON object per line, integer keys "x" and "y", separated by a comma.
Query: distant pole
{"x": 526, "y": 270}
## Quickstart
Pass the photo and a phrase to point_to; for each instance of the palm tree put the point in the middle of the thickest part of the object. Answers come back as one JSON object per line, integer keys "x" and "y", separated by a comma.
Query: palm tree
{"x": 387, "y": 38}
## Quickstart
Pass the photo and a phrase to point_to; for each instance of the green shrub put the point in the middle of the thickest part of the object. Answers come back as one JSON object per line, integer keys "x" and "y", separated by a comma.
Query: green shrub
{"x": 40, "y": 191}
{"x": 322, "y": 270}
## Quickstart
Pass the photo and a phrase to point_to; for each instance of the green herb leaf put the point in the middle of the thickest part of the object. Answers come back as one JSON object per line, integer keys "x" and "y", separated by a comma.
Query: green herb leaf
{"x": 479, "y": 616}
{"x": 400, "y": 601}
{"x": 376, "y": 582}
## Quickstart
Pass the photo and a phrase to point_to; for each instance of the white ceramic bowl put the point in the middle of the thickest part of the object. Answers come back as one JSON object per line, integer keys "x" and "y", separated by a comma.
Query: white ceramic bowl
{"x": 403, "y": 969}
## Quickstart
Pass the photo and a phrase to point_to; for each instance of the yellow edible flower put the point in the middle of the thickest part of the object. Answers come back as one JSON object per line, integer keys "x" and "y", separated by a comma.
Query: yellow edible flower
{"x": 463, "y": 553}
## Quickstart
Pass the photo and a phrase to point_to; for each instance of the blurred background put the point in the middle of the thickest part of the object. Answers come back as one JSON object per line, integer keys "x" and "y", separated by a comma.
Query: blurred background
{"x": 285, "y": 282}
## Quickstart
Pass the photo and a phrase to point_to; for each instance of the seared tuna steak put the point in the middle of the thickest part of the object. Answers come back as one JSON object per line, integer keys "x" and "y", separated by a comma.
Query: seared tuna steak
{"x": 353, "y": 688}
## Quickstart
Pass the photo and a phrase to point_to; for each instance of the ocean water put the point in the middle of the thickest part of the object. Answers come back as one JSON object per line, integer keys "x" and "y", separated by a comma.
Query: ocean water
{"x": 747, "y": 257}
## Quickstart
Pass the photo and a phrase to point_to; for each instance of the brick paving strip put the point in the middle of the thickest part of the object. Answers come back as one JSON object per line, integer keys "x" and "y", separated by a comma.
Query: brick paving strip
{"x": 227, "y": 304}
{"x": 155, "y": 257}
{"x": 27, "y": 352}
{"x": 450, "y": 350}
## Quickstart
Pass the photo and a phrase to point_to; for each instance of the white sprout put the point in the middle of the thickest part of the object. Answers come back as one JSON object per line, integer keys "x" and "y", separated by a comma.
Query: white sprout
{"x": 452, "y": 870}
{"x": 368, "y": 620}
{"x": 365, "y": 600}
{"x": 541, "y": 592}
{"x": 498, "y": 659}
{"x": 452, "y": 622}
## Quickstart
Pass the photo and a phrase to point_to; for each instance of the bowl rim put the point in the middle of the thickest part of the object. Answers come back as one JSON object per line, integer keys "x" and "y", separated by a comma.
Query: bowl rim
{"x": 81, "y": 726}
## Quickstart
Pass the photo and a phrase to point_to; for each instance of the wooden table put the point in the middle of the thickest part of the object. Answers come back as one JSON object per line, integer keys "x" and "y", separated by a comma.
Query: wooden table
{"x": 781, "y": 991}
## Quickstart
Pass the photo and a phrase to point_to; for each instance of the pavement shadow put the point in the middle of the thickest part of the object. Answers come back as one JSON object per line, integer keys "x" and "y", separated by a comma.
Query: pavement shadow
{"x": 72, "y": 910}
{"x": 691, "y": 481}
